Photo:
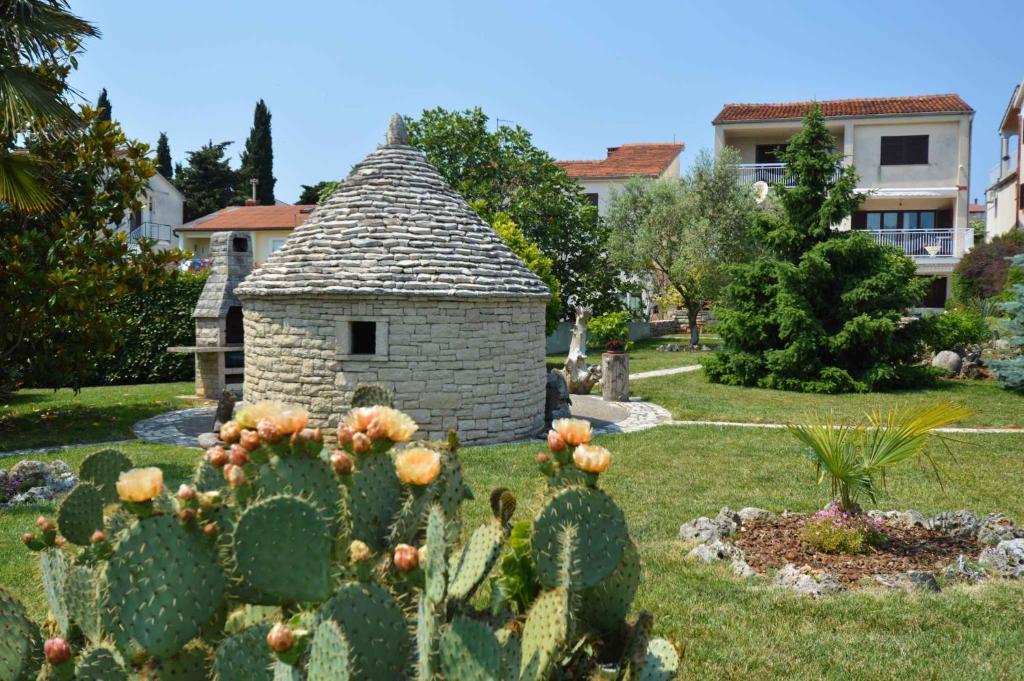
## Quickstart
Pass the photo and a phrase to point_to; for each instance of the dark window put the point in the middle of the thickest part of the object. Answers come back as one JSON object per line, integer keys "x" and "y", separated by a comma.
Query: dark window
{"x": 769, "y": 153}
{"x": 593, "y": 198}
{"x": 364, "y": 338}
{"x": 239, "y": 244}
{"x": 904, "y": 150}
{"x": 936, "y": 294}
{"x": 234, "y": 333}
{"x": 903, "y": 219}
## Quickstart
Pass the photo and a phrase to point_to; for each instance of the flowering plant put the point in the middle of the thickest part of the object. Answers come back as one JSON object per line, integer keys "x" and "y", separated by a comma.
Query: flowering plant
{"x": 833, "y": 530}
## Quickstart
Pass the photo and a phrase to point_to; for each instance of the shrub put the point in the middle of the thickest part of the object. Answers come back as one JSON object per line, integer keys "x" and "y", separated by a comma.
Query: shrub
{"x": 154, "y": 319}
{"x": 536, "y": 261}
{"x": 833, "y": 530}
{"x": 956, "y": 328}
{"x": 982, "y": 271}
{"x": 1011, "y": 371}
{"x": 609, "y": 328}
{"x": 286, "y": 559}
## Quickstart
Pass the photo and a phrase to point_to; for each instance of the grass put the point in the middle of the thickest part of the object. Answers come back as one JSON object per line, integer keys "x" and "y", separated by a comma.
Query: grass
{"x": 44, "y": 418}
{"x": 644, "y": 356}
{"x": 692, "y": 397}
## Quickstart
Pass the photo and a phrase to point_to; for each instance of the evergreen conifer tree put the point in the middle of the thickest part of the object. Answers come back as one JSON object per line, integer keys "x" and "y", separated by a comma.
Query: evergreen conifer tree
{"x": 1011, "y": 371}
{"x": 258, "y": 159}
{"x": 163, "y": 157}
{"x": 103, "y": 105}
{"x": 208, "y": 182}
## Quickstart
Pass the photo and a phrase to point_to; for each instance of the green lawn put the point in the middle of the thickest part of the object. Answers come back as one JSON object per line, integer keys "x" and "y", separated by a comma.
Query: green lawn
{"x": 644, "y": 357}
{"x": 692, "y": 397}
{"x": 44, "y": 418}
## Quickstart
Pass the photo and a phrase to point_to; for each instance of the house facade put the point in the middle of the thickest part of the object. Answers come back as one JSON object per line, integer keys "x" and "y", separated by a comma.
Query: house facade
{"x": 912, "y": 155}
{"x": 1005, "y": 196}
{"x": 599, "y": 178}
{"x": 268, "y": 228}
{"x": 162, "y": 212}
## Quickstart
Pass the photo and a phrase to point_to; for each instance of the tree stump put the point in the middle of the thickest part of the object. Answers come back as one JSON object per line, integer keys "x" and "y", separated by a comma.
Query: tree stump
{"x": 615, "y": 377}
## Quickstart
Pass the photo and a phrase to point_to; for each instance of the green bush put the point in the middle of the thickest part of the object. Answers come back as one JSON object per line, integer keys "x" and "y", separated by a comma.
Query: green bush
{"x": 533, "y": 258}
{"x": 834, "y": 531}
{"x": 956, "y": 328}
{"x": 153, "y": 320}
{"x": 982, "y": 272}
{"x": 609, "y": 328}
{"x": 1011, "y": 371}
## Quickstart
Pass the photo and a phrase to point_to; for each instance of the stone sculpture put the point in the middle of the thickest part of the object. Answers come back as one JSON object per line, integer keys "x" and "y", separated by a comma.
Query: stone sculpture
{"x": 579, "y": 377}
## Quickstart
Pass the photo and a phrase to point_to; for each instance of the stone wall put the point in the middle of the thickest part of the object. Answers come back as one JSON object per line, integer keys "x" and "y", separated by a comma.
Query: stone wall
{"x": 473, "y": 365}
{"x": 664, "y": 327}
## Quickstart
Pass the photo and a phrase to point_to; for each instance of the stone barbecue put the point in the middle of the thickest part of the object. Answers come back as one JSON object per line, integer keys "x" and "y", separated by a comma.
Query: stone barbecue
{"x": 396, "y": 280}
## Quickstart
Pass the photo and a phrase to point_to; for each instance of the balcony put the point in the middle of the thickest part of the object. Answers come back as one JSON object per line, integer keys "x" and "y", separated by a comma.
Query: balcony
{"x": 154, "y": 231}
{"x": 772, "y": 173}
{"x": 924, "y": 245}
{"x": 1002, "y": 170}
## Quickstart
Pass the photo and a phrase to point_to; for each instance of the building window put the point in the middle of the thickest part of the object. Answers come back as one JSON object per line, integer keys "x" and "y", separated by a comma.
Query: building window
{"x": 903, "y": 220}
{"x": 239, "y": 244}
{"x": 276, "y": 245}
{"x": 363, "y": 337}
{"x": 769, "y": 153}
{"x": 902, "y": 150}
{"x": 593, "y": 198}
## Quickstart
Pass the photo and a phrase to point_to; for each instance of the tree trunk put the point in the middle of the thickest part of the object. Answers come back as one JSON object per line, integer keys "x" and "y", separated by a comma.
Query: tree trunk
{"x": 692, "y": 314}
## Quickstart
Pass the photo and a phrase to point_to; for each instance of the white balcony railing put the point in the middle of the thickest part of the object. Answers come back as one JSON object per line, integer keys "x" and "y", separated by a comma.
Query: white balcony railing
{"x": 926, "y": 244}
{"x": 772, "y": 173}
{"x": 150, "y": 230}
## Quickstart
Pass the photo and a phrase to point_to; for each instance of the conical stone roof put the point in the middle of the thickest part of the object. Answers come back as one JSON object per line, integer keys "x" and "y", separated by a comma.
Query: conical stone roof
{"x": 394, "y": 227}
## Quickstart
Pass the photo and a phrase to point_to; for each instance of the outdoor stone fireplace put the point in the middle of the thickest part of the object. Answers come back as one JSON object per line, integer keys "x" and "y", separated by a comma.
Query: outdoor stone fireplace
{"x": 396, "y": 280}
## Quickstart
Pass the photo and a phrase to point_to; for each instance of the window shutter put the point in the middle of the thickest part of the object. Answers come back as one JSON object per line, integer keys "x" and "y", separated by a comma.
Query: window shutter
{"x": 917, "y": 149}
{"x": 891, "y": 151}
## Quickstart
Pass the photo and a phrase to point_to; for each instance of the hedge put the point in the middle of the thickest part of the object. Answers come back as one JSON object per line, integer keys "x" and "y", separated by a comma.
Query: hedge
{"x": 153, "y": 320}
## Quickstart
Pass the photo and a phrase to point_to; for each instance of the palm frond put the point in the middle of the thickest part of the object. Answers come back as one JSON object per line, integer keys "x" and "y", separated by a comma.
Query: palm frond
{"x": 35, "y": 28}
{"x": 832, "y": 447}
{"x": 20, "y": 185}
{"x": 902, "y": 432}
{"x": 26, "y": 96}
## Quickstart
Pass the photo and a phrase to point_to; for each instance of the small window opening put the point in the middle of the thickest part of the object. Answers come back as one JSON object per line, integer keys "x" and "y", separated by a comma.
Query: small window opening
{"x": 239, "y": 244}
{"x": 234, "y": 328}
{"x": 364, "y": 338}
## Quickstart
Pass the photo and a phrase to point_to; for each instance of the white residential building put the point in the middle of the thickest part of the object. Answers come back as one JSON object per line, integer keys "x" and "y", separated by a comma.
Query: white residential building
{"x": 1005, "y": 196}
{"x": 162, "y": 212}
{"x": 912, "y": 154}
{"x": 598, "y": 178}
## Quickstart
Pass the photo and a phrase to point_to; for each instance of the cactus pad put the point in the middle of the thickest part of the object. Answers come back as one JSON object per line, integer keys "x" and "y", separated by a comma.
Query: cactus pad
{"x": 371, "y": 395}
{"x": 245, "y": 656}
{"x": 472, "y": 565}
{"x": 374, "y": 499}
{"x": 164, "y": 584}
{"x": 309, "y": 478}
{"x": 511, "y": 653}
{"x": 54, "y": 568}
{"x": 99, "y": 664}
{"x": 328, "y": 654}
{"x": 282, "y": 548}
{"x": 208, "y": 478}
{"x": 605, "y": 606}
{"x": 83, "y": 598}
{"x": 20, "y": 644}
{"x": 544, "y": 635}
{"x": 469, "y": 651}
{"x": 81, "y": 513}
{"x": 601, "y": 535}
{"x": 375, "y": 628}
{"x": 434, "y": 587}
{"x": 452, "y": 491}
{"x": 249, "y": 615}
{"x": 660, "y": 663}
{"x": 285, "y": 672}
{"x": 102, "y": 469}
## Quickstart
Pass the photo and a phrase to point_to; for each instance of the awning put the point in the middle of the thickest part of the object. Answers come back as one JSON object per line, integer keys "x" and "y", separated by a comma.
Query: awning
{"x": 910, "y": 192}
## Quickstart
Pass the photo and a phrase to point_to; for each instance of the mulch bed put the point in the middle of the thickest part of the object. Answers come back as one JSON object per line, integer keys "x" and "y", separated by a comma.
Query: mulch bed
{"x": 773, "y": 543}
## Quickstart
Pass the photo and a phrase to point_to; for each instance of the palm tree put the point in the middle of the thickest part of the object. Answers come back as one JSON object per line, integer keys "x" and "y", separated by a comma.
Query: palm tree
{"x": 38, "y": 40}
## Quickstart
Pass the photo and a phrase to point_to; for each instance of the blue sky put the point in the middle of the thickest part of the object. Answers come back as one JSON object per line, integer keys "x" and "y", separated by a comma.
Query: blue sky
{"x": 581, "y": 76}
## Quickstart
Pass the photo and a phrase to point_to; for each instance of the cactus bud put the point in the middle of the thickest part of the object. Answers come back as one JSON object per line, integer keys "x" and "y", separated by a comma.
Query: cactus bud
{"x": 210, "y": 530}
{"x": 345, "y": 434}
{"x": 358, "y": 551}
{"x": 230, "y": 431}
{"x": 57, "y": 651}
{"x": 268, "y": 431}
{"x": 542, "y": 458}
{"x": 238, "y": 455}
{"x": 360, "y": 443}
{"x": 341, "y": 462}
{"x": 421, "y": 554}
{"x": 45, "y": 524}
{"x": 98, "y": 537}
{"x": 280, "y": 638}
{"x": 234, "y": 475}
{"x": 249, "y": 440}
{"x": 28, "y": 538}
{"x": 186, "y": 493}
{"x": 555, "y": 441}
{"x": 375, "y": 430}
{"x": 216, "y": 456}
{"x": 187, "y": 515}
{"x": 406, "y": 558}
{"x": 208, "y": 500}
{"x": 59, "y": 541}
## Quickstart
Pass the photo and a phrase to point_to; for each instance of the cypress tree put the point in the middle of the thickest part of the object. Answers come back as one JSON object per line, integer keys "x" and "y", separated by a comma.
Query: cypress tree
{"x": 258, "y": 159}
{"x": 163, "y": 157}
{"x": 208, "y": 182}
{"x": 103, "y": 105}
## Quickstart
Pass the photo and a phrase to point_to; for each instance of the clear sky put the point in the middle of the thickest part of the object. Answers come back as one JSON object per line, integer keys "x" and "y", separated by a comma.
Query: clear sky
{"x": 581, "y": 76}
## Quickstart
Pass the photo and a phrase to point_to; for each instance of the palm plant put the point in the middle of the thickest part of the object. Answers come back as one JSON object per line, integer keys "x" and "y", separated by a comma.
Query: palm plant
{"x": 856, "y": 457}
{"x": 38, "y": 40}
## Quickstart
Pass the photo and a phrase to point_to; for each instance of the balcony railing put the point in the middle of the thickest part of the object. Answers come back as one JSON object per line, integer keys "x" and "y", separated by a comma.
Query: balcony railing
{"x": 1006, "y": 166}
{"x": 772, "y": 173}
{"x": 150, "y": 230}
{"x": 925, "y": 244}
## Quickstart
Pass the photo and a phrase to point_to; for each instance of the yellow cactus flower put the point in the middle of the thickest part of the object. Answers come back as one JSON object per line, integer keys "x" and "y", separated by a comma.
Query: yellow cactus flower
{"x": 574, "y": 432}
{"x": 140, "y": 484}
{"x": 418, "y": 466}
{"x": 591, "y": 458}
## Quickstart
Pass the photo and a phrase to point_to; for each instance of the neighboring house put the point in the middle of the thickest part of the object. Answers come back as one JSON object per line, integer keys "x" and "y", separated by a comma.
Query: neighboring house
{"x": 268, "y": 227}
{"x": 912, "y": 154}
{"x": 598, "y": 178}
{"x": 1005, "y": 196}
{"x": 977, "y": 213}
{"x": 162, "y": 212}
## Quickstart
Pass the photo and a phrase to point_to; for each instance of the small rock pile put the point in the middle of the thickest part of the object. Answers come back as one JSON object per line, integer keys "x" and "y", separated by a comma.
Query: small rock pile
{"x": 31, "y": 482}
{"x": 967, "y": 365}
{"x": 675, "y": 347}
{"x": 1001, "y": 555}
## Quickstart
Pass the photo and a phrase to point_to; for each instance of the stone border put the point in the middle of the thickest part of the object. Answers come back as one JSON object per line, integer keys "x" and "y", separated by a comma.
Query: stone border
{"x": 163, "y": 429}
{"x": 642, "y": 415}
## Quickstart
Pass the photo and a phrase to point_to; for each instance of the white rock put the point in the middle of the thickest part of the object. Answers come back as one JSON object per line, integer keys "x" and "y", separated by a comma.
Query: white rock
{"x": 808, "y": 581}
{"x": 751, "y": 514}
{"x": 741, "y": 568}
{"x": 948, "y": 361}
{"x": 714, "y": 551}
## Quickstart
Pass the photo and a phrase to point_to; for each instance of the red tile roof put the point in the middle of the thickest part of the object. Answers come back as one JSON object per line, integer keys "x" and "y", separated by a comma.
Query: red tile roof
{"x": 647, "y": 160}
{"x": 253, "y": 218}
{"x": 870, "y": 106}
{"x": 976, "y": 208}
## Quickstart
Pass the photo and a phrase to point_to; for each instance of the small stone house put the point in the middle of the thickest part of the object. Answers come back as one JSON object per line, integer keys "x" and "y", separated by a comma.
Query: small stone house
{"x": 396, "y": 280}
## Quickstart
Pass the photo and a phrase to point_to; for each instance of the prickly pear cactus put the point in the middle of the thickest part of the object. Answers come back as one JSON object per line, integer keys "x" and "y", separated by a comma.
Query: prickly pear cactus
{"x": 371, "y": 395}
{"x": 81, "y": 513}
{"x": 20, "y": 644}
{"x": 102, "y": 469}
{"x": 99, "y": 664}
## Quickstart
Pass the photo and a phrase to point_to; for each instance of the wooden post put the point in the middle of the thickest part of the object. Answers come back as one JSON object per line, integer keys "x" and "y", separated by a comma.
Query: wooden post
{"x": 615, "y": 377}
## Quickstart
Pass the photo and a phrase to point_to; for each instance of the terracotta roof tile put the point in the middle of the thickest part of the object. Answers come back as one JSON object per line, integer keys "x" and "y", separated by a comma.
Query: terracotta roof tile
{"x": 648, "y": 160}
{"x": 976, "y": 208}
{"x": 254, "y": 218}
{"x": 870, "y": 106}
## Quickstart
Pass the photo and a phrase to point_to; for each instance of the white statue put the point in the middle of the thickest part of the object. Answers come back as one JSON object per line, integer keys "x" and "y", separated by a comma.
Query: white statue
{"x": 578, "y": 376}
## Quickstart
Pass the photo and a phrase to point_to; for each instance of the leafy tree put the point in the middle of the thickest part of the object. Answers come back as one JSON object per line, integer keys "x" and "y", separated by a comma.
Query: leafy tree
{"x": 38, "y": 42}
{"x": 1011, "y": 371}
{"x": 684, "y": 233}
{"x": 315, "y": 193}
{"x": 62, "y": 269}
{"x": 208, "y": 182}
{"x": 163, "y": 157}
{"x": 534, "y": 258}
{"x": 257, "y": 160}
{"x": 508, "y": 174}
{"x": 982, "y": 271}
{"x": 103, "y": 105}
{"x": 820, "y": 310}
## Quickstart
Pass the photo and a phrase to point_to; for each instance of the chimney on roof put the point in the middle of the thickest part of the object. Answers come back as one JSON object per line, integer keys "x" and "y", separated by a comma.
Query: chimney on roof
{"x": 251, "y": 202}
{"x": 612, "y": 150}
